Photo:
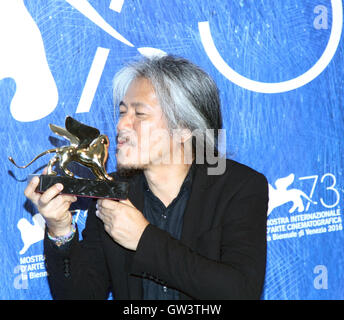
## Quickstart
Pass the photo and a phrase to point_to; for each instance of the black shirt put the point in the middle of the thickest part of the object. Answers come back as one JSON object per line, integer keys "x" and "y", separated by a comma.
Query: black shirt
{"x": 169, "y": 219}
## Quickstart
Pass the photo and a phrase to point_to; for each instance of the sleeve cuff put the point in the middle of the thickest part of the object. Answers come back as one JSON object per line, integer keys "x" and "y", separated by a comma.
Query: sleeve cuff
{"x": 64, "y": 249}
{"x": 145, "y": 255}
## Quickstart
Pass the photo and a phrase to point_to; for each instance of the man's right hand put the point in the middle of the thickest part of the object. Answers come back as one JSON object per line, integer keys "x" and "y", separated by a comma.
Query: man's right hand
{"x": 54, "y": 207}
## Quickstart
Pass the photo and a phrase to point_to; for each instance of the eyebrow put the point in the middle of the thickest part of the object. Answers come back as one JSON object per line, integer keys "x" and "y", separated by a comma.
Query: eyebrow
{"x": 135, "y": 104}
{"x": 122, "y": 104}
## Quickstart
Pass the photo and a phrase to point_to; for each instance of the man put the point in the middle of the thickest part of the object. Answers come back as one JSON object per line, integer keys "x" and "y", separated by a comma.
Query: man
{"x": 183, "y": 233}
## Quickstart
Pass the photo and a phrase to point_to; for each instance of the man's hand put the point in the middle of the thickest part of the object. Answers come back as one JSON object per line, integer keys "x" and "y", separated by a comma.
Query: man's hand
{"x": 54, "y": 207}
{"x": 122, "y": 221}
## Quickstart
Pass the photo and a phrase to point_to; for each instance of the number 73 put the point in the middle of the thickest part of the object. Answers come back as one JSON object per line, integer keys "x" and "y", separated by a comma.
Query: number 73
{"x": 331, "y": 188}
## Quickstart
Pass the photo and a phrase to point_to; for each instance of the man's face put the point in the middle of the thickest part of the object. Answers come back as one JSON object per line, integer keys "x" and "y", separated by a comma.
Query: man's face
{"x": 142, "y": 133}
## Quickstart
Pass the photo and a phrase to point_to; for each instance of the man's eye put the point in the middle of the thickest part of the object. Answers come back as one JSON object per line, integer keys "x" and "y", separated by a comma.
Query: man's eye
{"x": 140, "y": 114}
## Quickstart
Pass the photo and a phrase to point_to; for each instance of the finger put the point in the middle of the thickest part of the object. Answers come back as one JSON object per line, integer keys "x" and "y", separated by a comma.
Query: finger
{"x": 103, "y": 216}
{"x": 45, "y": 171}
{"x": 51, "y": 193}
{"x": 57, "y": 214}
{"x": 108, "y": 212}
{"x": 32, "y": 185}
{"x": 61, "y": 199}
{"x": 54, "y": 205}
{"x": 69, "y": 198}
{"x": 59, "y": 209}
{"x": 30, "y": 189}
{"x": 107, "y": 228}
{"x": 127, "y": 202}
{"x": 107, "y": 204}
{"x": 66, "y": 206}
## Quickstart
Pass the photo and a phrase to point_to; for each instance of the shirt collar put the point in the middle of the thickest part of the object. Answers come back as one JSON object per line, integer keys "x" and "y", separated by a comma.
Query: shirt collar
{"x": 186, "y": 183}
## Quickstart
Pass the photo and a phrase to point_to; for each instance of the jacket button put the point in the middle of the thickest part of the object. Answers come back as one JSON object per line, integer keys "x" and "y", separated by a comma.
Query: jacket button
{"x": 66, "y": 263}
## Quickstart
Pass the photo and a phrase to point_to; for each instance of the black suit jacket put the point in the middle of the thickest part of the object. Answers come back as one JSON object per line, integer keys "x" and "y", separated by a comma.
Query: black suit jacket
{"x": 221, "y": 253}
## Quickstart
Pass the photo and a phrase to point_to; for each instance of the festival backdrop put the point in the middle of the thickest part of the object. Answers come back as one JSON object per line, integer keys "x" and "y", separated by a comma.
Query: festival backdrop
{"x": 279, "y": 67}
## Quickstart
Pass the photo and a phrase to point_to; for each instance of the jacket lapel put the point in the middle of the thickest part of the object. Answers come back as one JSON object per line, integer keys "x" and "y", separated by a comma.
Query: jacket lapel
{"x": 201, "y": 180}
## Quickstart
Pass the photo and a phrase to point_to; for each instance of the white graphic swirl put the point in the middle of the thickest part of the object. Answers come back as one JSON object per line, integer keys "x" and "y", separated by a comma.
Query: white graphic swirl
{"x": 276, "y": 87}
{"x": 23, "y": 58}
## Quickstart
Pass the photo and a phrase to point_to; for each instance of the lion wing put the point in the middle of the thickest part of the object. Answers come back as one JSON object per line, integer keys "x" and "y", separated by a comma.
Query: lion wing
{"x": 74, "y": 141}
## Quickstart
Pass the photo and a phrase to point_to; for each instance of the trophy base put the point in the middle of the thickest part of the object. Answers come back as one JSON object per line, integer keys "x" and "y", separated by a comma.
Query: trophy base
{"x": 116, "y": 190}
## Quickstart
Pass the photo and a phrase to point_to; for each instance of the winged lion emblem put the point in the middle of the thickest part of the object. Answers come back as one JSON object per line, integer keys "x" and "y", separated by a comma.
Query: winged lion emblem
{"x": 87, "y": 147}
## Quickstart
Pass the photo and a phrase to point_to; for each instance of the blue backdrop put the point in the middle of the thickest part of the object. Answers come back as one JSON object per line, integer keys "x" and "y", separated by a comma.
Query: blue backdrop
{"x": 279, "y": 66}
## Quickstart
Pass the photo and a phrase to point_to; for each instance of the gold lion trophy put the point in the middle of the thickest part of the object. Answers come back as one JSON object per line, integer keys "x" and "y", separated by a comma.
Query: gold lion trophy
{"x": 89, "y": 148}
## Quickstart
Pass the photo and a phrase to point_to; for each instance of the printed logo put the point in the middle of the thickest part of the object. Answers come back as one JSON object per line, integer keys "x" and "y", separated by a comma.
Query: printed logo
{"x": 33, "y": 266}
{"x": 300, "y": 222}
{"x": 282, "y": 195}
{"x": 31, "y": 234}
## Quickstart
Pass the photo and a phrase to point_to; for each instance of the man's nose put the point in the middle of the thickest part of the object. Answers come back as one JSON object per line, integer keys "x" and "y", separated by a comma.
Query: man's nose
{"x": 125, "y": 122}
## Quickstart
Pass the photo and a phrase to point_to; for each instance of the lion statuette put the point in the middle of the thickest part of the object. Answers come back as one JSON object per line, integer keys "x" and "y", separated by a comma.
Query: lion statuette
{"x": 87, "y": 147}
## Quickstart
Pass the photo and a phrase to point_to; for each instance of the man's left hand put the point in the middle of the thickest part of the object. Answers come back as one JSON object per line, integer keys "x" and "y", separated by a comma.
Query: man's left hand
{"x": 122, "y": 221}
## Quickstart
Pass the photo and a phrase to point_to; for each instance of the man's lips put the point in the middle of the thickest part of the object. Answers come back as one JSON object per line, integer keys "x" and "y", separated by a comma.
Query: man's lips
{"x": 122, "y": 141}
{"x": 120, "y": 144}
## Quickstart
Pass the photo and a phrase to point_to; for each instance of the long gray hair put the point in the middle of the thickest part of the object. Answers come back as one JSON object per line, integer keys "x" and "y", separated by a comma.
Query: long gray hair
{"x": 188, "y": 96}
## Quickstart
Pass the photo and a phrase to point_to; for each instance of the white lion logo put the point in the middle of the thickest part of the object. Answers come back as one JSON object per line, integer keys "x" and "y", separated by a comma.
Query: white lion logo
{"x": 31, "y": 234}
{"x": 282, "y": 195}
